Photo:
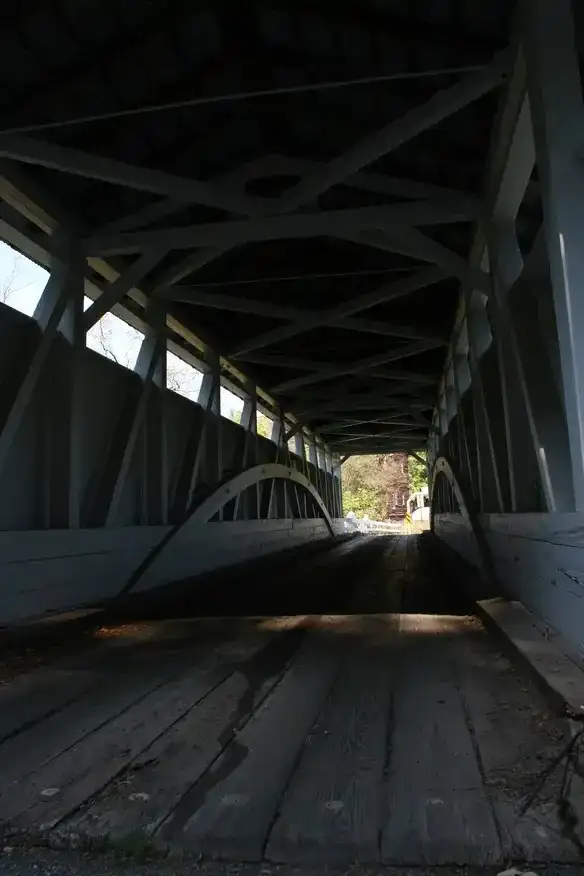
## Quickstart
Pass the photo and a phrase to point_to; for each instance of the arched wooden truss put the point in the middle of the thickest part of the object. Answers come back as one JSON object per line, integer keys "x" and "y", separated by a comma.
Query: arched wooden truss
{"x": 444, "y": 471}
{"x": 446, "y": 484}
{"x": 211, "y": 505}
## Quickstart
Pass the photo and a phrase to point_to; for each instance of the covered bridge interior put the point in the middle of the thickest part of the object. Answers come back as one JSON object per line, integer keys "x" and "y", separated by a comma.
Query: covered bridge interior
{"x": 284, "y": 196}
{"x": 364, "y": 221}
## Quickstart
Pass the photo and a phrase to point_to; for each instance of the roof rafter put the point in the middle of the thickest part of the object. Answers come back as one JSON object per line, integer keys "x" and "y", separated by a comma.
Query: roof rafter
{"x": 333, "y": 371}
{"x": 441, "y": 105}
{"x": 378, "y": 435}
{"x": 303, "y": 364}
{"x": 97, "y": 167}
{"x": 390, "y": 445}
{"x": 385, "y": 402}
{"x": 408, "y": 126}
{"x": 339, "y": 426}
{"x": 411, "y": 242}
{"x": 296, "y": 314}
{"x": 277, "y": 165}
{"x": 369, "y": 181}
{"x": 296, "y": 225}
{"x": 388, "y": 292}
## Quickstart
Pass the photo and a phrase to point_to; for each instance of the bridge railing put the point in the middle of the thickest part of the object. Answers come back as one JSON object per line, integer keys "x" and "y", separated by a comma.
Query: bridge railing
{"x": 381, "y": 527}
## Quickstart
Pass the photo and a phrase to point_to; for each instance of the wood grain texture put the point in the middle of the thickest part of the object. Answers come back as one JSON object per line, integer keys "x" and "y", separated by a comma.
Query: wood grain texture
{"x": 111, "y": 733}
{"x": 319, "y": 739}
{"x": 230, "y": 814}
{"x": 29, "y": 699}
{"x": 27, "y": 752}
{"x": 331, "y": 811}
{"x": 438, "y": 809}
{"x": 156, "y": 781}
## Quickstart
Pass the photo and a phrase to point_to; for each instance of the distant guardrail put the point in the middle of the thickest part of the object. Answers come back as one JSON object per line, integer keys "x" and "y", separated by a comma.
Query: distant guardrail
{"x": 353, "y": 524}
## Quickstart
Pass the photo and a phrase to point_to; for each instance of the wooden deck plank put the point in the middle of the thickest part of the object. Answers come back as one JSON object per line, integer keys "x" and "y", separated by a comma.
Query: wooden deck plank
{"x": 331, "y": 811}
{"x": 379, "y": 587}
{"x": 219, "y": 738}
{"x": 26, "y": 752}
{"x": 438, "y": 809}
{"x": 229, "y": 813}
{"x": 164, "y": 772}
{"x": 398, "y": 558}
{"x": 67, "y": 780}
{"x": 452, "y": 827}
{"x": 28, "y": 699}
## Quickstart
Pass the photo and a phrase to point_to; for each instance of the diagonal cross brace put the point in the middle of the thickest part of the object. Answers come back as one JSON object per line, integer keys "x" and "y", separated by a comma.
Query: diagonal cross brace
{"x": 361, "y": 365}
{"x": 302, "y": 317}
{"x": 388, "y": 292}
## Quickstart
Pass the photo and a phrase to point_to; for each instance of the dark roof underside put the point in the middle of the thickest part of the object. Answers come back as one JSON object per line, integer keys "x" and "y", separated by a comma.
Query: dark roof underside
{"x": 77, "y": 58}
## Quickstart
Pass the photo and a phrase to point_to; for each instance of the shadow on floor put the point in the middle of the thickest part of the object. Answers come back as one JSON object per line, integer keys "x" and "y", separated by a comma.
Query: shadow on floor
{"x": 355, "y": 576}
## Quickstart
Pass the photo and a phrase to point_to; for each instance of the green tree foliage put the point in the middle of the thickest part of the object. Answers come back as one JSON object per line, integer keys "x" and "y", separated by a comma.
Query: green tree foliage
{"x": 264, "y": 426}
{"x": 361, "y": 501}
{"x": 362, "y": 491}
{"x": 418, "y": 473}
{"x": 369, "y": 484}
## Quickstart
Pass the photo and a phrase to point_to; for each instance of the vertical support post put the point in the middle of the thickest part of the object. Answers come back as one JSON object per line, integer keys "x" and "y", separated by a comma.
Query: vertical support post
{"x": 194, "y": 452}
{"x": 298, "y": 444}
{"x": 273, "y": 488}
{"x": 300, "y": 497}
{"x": 507, "y": 264}
{"x": 328, "y": 467}
{"x": 460, "y": 361}
{"x": 249, "y": 421}
{"x": 332, "y": 490}
{"x": 557, "y": 109}
{"x": 450, "y": 407}
{"x": 213, "y": 449}
{"x": 301, "y": 452}
{"x": 312, "y": 459}
{"x": 337, "y": 474}
{"x": 317, "y": 458}
{"x": 15, "y": 396}
{"x": 155, "y": 472}
{"x": 534, "y": 412}
{"x": 323, "y": 476}
{"x": 298, "y": 502}
{"x": 275, "y": 491}
{"x": 478, "y": 331}
{"x": 62, "y": 430}
{"x": 104, "y": 493}
{"x": 289, "y": 491}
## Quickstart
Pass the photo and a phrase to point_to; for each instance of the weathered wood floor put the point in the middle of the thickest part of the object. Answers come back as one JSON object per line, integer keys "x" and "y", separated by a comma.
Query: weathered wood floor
{"x": 372, "y": 732}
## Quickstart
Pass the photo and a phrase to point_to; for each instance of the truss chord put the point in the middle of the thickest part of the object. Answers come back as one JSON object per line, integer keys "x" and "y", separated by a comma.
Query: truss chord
{"x": 249, "y": 282}
{"x": 244, "y": 95}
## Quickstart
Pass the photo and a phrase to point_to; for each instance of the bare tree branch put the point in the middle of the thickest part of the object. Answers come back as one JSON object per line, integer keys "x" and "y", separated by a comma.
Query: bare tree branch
{"x": 9, "y": 285}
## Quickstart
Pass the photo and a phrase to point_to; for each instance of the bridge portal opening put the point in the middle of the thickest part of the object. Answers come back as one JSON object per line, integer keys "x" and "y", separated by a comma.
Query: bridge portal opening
{"x": 385, "y": 492}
